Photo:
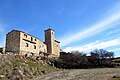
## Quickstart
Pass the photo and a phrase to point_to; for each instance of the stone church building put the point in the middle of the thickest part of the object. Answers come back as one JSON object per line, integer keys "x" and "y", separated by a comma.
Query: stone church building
{"x": 23, "y": 43}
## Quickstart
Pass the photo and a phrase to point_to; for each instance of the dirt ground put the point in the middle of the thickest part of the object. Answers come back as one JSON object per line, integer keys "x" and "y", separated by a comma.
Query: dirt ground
{"x": 81, "y": 74}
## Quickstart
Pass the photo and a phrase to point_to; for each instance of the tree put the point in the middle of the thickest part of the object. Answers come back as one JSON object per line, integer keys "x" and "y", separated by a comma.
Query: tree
{"x": 102, "y": 54}
{"x": 110, "y": 54}
{"x": 95, "y": 55}
{"x": 77, "y": 53}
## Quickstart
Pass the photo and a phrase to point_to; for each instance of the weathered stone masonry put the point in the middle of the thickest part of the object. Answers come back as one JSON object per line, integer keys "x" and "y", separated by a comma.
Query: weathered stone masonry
{"x": 22, "y": 43}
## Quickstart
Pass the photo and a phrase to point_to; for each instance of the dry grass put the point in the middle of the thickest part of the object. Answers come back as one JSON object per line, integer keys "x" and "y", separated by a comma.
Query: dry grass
{"x": 82, "y": 74}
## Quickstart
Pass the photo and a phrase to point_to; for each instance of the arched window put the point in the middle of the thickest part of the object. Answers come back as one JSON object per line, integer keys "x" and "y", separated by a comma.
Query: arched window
{"x": 31, "y": 39}
{"x": 52, "y": 33}
{"x": 25, "y": 35}
{"x": 34, "y": 47}
{"x": 26, "y": 45}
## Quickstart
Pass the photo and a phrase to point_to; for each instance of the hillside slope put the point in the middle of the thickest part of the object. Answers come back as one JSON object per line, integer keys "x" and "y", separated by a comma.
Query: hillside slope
{"x": 14, "y": 67}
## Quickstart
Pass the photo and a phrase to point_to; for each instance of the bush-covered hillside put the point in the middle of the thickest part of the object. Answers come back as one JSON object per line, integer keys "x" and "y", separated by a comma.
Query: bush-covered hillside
{"x": 98, "y": 58}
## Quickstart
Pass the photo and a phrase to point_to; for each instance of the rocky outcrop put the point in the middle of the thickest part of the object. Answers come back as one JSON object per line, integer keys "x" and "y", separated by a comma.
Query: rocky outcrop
{"x": 15, "y": 67}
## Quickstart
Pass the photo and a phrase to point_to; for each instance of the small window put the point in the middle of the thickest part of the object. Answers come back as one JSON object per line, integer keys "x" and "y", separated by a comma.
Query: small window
{"x": 35, "y": 39}
{"x": 42, "y": 45}
{"x": 32, "y": 54}
{"x": 26, "y": 45}
{"x": 25, "y": 35}
{"x": 34, "y": 47}
{"x": 31, "y": 39}
{"x": 44, "y": 50}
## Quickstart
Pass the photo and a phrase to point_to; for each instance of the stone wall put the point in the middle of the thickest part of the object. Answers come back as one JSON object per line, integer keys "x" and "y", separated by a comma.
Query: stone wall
{"x": 53, "y": 46}
{"x": 31, "y": 44}
{"x": 13, "y": 41}
{"x": 56, "y": 48}
{"x": 49, "y": 40}
{"x": 23, "y": 43}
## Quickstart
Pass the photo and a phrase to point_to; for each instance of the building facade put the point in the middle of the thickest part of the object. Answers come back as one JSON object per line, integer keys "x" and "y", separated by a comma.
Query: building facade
{"x": 25, "y": 44}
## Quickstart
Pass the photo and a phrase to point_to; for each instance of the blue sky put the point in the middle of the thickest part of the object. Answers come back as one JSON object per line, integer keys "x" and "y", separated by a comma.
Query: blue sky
{"x": 81, "y": 25}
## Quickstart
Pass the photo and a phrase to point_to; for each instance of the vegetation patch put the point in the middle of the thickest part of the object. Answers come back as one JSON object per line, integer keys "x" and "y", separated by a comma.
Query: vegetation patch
{"x": 32, "y": 64}
{"x": 16, "y": 63}
{"x": 99, "y": 58}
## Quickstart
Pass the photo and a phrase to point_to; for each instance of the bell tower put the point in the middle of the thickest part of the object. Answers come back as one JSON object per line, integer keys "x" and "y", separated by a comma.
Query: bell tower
{"x": 49, "y": 40}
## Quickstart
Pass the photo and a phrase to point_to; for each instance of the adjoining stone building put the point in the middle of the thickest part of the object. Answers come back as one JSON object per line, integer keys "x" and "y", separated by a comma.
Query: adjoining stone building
{"x": 2, "y": 50}
{"x": 23, "y": 43}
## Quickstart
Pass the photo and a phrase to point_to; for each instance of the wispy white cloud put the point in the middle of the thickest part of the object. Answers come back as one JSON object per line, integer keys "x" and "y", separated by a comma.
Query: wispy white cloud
{"x": 91, "y": 30}
{"x": 94, "y": 45}
{"x": 116, "y": 31}
{"x": 116, "y": 49}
